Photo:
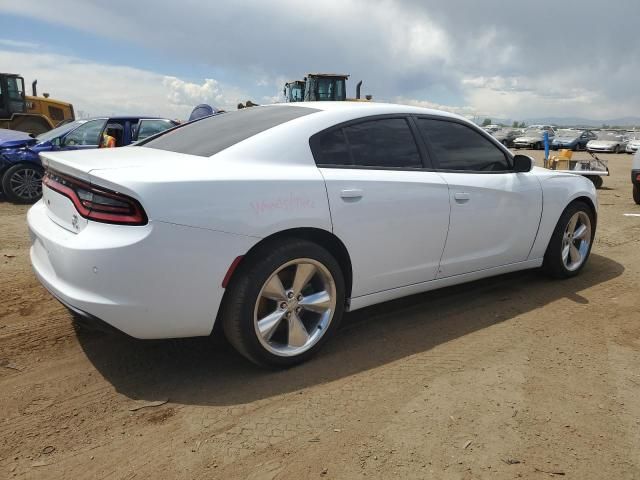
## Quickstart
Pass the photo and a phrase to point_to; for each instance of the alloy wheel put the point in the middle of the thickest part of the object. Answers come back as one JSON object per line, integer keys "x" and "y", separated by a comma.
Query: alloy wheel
{"x": 26, "y": 183}
{"x": 295, "y": 307}
{"x": 576, "y": 241}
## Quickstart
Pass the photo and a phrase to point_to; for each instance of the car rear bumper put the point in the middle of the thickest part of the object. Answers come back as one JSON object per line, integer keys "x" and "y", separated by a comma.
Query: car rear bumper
{"x": 156, "y": 281}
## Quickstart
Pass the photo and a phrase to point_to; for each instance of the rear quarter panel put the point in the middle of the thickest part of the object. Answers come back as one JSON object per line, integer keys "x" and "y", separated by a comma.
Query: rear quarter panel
{"x": 254, "y": 197}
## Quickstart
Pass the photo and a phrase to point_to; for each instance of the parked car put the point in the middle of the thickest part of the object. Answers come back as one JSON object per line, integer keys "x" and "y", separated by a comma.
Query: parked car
{"x": 491, "y": 128}
{"x": 635, "y": 177}
{"x": 533, "y": 137}
{"x": 572, "y": 139}
{"x": 633, "y": 143}
{"x": 608, "y": 141}
{"x": 293, "y": 214}
{"x": 20, "y": 168}
{"x": 506, "y": 136}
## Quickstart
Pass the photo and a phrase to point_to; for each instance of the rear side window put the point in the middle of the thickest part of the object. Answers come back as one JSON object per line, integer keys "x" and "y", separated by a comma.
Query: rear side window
{"x": 458, "y": 147}
{"x": 148, "y": 127}
{"x": 210, "y": 135}
{"x": 383, "y": 143}
{"x": 332, "y": 149}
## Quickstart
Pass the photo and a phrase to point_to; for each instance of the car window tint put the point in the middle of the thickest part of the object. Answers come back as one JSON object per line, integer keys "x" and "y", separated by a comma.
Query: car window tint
{"x": 209, "y": 135}
{"x": 383, "y": 143}
{"x": 86, "y": 134}
{"x": 332, "y": 149}
{"x": 458, "y": 147}
{"x": 146, "y": 128}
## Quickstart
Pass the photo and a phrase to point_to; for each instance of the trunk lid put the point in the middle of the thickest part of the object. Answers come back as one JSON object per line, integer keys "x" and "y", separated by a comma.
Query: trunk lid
{"x": 106, "y": 168}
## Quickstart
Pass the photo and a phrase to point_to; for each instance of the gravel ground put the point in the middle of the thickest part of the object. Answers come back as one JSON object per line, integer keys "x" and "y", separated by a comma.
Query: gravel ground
{"x": 516, "y": 376}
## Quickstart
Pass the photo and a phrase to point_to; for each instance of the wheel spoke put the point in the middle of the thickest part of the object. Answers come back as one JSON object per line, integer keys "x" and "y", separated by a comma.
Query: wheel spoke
{"x": 269, "y": 324}
{"x": 304, "y": 273}
{"x": 317, "y": 302}
{"x": 274, "y": 289}
{"x": 298, "y": 335}
{"x": 576, "y": 256}
{"x": 580, "y": 231}
{"x": 565, "y": 254}
{"x": 572, "y": 223}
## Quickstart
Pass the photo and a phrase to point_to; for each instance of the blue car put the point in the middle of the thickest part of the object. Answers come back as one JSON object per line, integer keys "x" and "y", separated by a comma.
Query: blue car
{"x": 572, "y": 139}
{"x": 20, "y": 168}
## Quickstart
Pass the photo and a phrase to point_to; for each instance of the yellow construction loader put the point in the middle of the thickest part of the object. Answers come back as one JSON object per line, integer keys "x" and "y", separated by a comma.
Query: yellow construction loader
{"x": 318, "y": 87}
{"x": 31, "y": 114}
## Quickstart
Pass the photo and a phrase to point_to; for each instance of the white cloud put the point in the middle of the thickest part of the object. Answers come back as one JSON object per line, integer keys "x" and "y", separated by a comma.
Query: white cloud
{"x": 6, "y": 42}
{"x": 99, "y": 89}
{"x": 466, "y": 111}
{"x": 511, "y": 59}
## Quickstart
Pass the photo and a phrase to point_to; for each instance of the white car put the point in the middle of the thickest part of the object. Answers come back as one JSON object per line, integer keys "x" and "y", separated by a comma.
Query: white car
{"x": 611, "y": 142}
{"x": 276, "y": 219}
{"x": 634, "y": 143}
{"x": 533, "y": 137}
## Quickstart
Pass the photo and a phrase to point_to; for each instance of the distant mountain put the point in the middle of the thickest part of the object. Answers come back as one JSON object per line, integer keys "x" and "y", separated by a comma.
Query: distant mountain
{"x": 586, "y": 122}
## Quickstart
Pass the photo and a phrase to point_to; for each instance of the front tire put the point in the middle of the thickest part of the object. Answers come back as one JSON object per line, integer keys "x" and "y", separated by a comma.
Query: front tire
{"x": 282, "y": 307}
{"x": 636, "y": 194}
{"x": 571, "y": 241}
{"x": 22, "y": 183}
{"x": 597, "y": 180}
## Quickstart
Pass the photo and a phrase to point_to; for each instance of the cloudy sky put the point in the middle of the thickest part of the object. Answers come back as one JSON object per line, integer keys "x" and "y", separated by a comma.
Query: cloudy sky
{"x": 504, "y": 59}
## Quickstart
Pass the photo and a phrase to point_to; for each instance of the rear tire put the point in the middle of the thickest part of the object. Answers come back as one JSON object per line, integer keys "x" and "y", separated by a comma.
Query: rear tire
{"x": 636, "y": 194}
{"x": 265, "y": 306}
{"x": 22, "y": 183}
{"x": 32, "y": 124}
{"x": 570, "y": 244}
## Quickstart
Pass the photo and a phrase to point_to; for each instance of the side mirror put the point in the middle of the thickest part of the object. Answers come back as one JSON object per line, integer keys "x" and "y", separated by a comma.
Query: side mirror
{"x": 522, "y": 163}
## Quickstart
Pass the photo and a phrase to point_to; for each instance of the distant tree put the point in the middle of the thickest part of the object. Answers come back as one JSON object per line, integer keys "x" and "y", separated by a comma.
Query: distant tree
{"x": 487, "y": 121}
{"x": 514, "y": 124}
{"x": 523, "y": 125}
{"x": 604, "y": 125}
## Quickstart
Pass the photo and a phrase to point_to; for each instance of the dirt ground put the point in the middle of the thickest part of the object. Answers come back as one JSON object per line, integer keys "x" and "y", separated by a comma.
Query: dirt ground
{"x": 517, "y": 376}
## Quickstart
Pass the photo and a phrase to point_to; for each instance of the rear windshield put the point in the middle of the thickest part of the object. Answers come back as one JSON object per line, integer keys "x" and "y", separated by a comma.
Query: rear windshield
{"x": 210, "y": 135}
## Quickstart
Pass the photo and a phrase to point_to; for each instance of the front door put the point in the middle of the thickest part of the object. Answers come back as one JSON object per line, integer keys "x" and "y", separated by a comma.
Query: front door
{"x": 495, "y": 213}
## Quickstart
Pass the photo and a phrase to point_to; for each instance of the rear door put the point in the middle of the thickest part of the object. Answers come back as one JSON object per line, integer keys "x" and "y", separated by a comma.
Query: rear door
{"x": 495, "y": 212}
{"x": 388, "y": 209}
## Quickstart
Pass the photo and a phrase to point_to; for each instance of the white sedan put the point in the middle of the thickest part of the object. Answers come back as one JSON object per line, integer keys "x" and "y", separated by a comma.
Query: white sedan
{"x": 274, "y": 220}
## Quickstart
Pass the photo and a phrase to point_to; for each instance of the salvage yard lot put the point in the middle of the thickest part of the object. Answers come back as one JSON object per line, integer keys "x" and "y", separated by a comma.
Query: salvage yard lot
{"x": 513, "y": 376}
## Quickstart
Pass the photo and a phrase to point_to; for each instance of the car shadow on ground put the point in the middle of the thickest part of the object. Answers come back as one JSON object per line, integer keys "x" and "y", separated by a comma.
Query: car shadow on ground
{"x": 207, "y": 371}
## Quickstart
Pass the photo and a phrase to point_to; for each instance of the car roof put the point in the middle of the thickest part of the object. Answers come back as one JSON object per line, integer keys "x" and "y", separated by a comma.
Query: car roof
{"x": 125, "y": 117}
{"x": 369, "y": 108}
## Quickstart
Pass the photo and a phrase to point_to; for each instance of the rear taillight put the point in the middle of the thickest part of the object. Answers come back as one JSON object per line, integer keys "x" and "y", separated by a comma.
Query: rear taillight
{"x": 96, "y": 203}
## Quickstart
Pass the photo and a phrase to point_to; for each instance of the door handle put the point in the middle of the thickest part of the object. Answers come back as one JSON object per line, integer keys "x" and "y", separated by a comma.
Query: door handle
{"x": 351, "y": 193}
{"x": 461, "y": 197}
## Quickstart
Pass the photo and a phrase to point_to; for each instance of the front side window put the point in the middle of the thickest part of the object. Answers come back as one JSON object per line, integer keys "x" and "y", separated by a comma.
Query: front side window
{"x": 86, "y": 134}
{"x": 458, "y": 147}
